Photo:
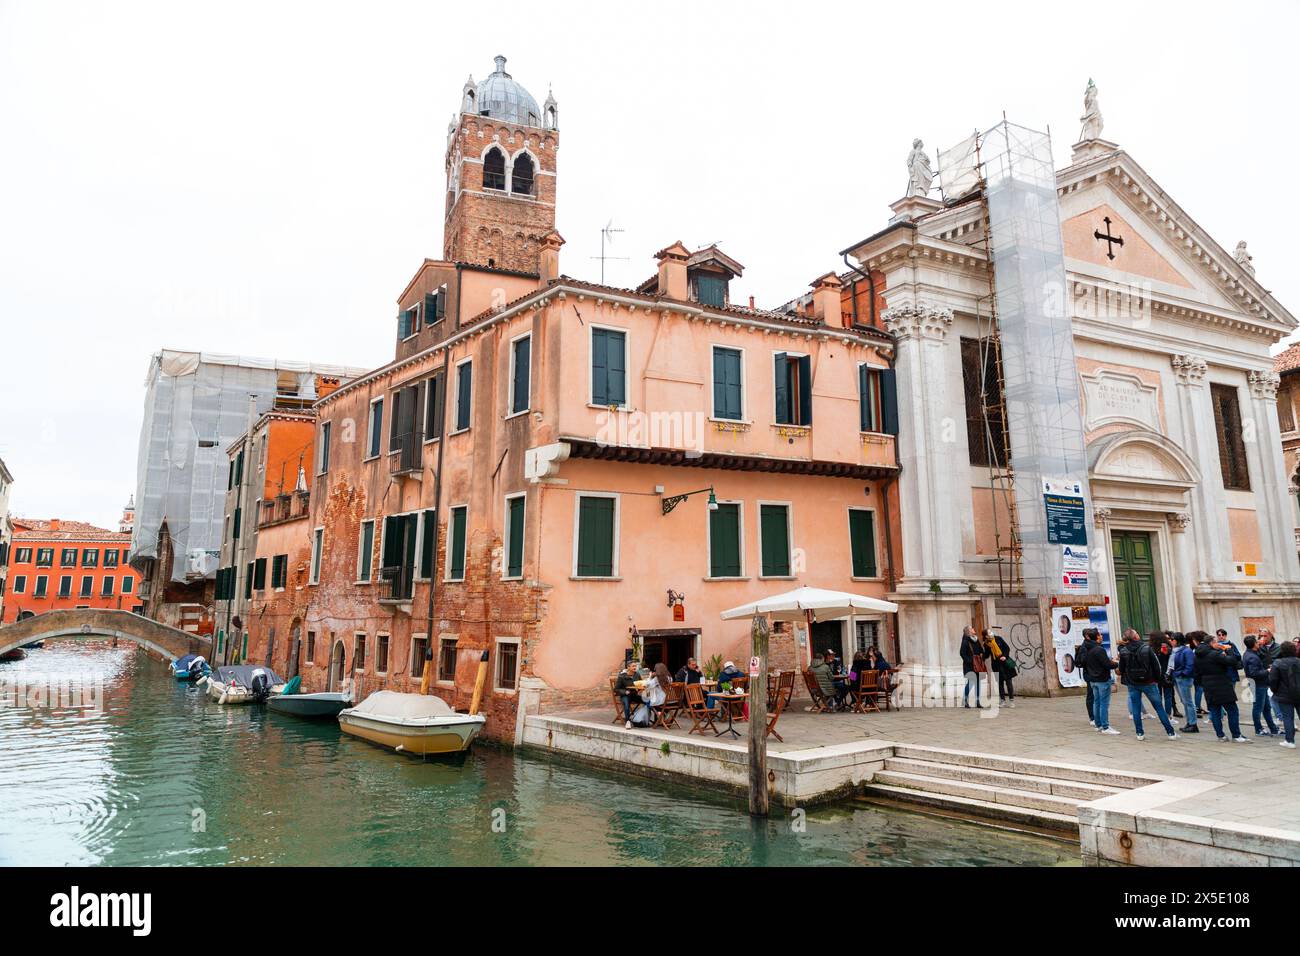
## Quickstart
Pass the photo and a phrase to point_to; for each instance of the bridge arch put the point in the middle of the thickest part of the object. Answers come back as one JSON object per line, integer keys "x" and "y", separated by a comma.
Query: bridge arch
{"x": 162, "y": 640}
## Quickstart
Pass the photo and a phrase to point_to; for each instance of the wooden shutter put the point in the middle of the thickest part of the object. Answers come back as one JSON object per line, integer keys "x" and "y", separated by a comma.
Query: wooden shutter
{"x": 727, "y": 399}
{"x": 599, "y": 368}
{"x": 724, "y": 541}
{"x": 805, "y": 390}
{"x": 259, "y": 574}
{"x": 864, "y": 399}
{"x": 464, "y": 393}
{"x": 862, "y": 541}
{"x": 776, "y": 540}
{"x": 436, "y": 400}
{"x": 456, "y": 560}
{"x": 888, "y": 401}
{"x": 515, "y": 526}
{"x": 392, "y": 547}
{"x": 595, "y": 537}
{"x": 522, "y": 360}
{"x": 782, "y": 388}
{"x": 427, "y": 540}
{"x": 404, "y": 586}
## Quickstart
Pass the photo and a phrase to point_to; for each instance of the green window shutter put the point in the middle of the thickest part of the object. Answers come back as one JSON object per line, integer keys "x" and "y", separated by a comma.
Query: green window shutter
{"x": 376, "y": 427}
{"x": 259, "y": 574}
{"x": 432, "y": 312}
{"x": 392, "y": 556}
{"x": 522, "y": 358}
{"x": 805, "y": 390}
{"x": 888, "y": 401}
{"x": 864, "y": 399}
{"x": 367, "y": 550}
{"x": 435, "y": 402}
{"x": 464, "y": 394}
{"x": 727, "y": 401}
{"x": 239, "y": 468}
{"x": 608, "y": 367}
{"x": 724, "y": 541}
{"x": 515, "y": 538}
{"x": 427, "y": 542}
{"x": 248, "y": 581}
{"x": 775, "y": 531}
{"x": 234, "y": 533}
{"x": 782, "y": 389}
{"x": 595, "y": 537}
{"x": 456, "y": 560}
{"x": 862, "y": 541}
{"x": 406, "y": 577}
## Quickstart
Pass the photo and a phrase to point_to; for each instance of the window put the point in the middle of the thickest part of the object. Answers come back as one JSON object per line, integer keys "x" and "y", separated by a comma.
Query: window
{"x": 724, "y": 541}
{"x": 65, "y": 586}
{"x": 521, "y": 179}
{"x": 44, "y": 557}
{"x": 867, "y": 635}
{"x": 774, "y": 539}
{"x": 323, "y": 453}
{"x": 22, "y": 555}
{"x": 862, "y": 542}
{"x": 359, "y": 653}
{"x": 507, "y": 669}
{"x": 68, "y": 558}
{"x": 225, "y": 590}
{"x": 20, "y": 584}
{"x": 398, "y": 556}
{"x": 408, "y": 322}
{"x": 419, "y": 647}
{"x": 520, "y": 369}
{"x": 447, "y": 660}
{"x": 365, "y": 551}
{"x": 793, "y": 389}
{"x": 107, "y": 589}
{"x": 428, "y": 540}
{"x": 435, "y": 399}
{"x": 514, "y": 543}
{"x": 90, "y": 557}
{"x": 435, "y": 305}
{"x": 259, "y": 574}
{"x": 979, "y": 373}
{"x": 381, "y": 654}
{"x": 728, "y": 395}
{"x": 279, "y": 571}
{"x": 248, "y": 581}
{"x": 87, "y": 585}
{"x": 317, "y": 542}
{"x": 407, "y": 427}
{"x": 239, "y": 467}
{"x": 234, "y": 534}
{"x": 464, "y": 393}
{"x": 608, "y": 367}
{"x": 1232, "y": 449}
{"x": 376, "y": 428}
{"x": 128, "y": 584}
{"x": 711, "y": 290}
{"x": 877, "y": 400}
{"x": 111, "y": 557}
{"x": 456, "y": 544}
{"x": 41, "y": 584}
{"x": 494, "y": 169}
{"x": 596, "y": 536}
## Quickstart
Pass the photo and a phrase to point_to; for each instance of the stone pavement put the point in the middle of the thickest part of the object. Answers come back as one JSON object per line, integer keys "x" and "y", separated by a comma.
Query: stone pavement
{"x": 1261, "y": 781}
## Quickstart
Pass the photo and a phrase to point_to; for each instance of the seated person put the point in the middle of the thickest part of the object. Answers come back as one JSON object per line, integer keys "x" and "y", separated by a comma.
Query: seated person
{"x": 821, "y": 672}
{"x": 625, "y": 687}
{"x": 689, "y": 674}
{"x": 728, "y": 673}
{"x": 839, "y": 677}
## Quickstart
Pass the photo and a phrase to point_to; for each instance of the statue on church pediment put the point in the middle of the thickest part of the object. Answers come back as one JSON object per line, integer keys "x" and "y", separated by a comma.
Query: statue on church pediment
{"x": 1091, "y": 118}
{"x": 919, "y": 173}
{"x": 1243, "y": 257}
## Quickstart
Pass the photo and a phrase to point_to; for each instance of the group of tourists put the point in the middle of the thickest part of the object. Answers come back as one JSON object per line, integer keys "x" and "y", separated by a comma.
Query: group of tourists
{"x": 981, "y": 654}
{"x": 1199, "y": 670}
{"x": 640, "y": 702}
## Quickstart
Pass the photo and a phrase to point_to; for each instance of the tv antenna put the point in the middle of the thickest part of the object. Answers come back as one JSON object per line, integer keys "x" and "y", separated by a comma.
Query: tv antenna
{"x": 607, "y": 238}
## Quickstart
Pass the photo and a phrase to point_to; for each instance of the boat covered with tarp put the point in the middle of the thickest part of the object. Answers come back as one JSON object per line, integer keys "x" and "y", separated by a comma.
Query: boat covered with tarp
{"x": 190, "y": 667}
{"x": 322, "y": 705}
{"x": 243, "y": 684}
{"x": 411, "y": 723}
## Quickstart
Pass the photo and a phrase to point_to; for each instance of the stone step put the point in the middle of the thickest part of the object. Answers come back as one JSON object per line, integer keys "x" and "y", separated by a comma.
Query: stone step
{"x": 1002, "y": 778}
{"x": 977, "y": 791}
{"x": 1064, "y": 822}
{"x": 1024, "y": 765}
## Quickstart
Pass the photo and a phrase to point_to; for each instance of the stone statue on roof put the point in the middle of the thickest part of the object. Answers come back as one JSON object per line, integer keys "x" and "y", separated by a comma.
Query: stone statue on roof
{"x": 919, "y": 173}
{"x": 1243, "y": 257}
{"x": 1091, "y": 118}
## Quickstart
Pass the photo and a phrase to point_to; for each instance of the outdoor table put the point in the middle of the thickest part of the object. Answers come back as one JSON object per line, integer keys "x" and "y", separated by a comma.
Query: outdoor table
{"x": 730, "y": 699}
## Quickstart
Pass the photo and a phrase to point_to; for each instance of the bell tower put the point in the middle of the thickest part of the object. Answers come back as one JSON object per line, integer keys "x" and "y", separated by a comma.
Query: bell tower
{"x": 501, "y": 160}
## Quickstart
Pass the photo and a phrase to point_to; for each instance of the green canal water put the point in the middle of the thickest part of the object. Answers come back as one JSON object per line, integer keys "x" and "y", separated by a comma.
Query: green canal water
{"x": 162, "y": 776}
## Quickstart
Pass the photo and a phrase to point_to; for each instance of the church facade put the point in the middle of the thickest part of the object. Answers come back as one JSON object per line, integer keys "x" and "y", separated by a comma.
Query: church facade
{"x": 1192, "y": 520}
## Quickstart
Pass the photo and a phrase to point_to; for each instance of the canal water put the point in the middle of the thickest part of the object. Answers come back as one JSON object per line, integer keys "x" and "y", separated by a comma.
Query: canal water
{"x": 161, "y": 775}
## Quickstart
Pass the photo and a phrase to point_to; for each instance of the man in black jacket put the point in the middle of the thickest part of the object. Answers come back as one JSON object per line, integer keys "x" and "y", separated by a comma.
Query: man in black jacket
{"x": 1097, "y": 667}
{"x": 625, "y": 687}
{"x": 1081, "y": 651}
{"x": 1139, "y": 666}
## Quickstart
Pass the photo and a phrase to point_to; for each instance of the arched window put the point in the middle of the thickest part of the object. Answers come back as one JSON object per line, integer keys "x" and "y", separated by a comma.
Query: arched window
{"x": 494, "y": 169}
{"x": 550, "y": 117}
{"x": 522, "y": 180}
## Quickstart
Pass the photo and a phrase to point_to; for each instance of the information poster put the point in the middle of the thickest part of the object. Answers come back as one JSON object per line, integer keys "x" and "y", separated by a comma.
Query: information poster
{"x": 1068, "y": 623}
{"x": 1074, "y": 569}
{"x": 1063, "y": 503}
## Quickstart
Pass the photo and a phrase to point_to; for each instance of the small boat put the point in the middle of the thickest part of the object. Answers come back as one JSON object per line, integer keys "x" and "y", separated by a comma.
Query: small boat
{"x": 34, "y": 645}
{"x": 242, "y": 684}
{"x": 17, "y": 654}
{"x": 411, "y": 723}
{"x": 322, "y": 705}
{"x": 190, "y": 667}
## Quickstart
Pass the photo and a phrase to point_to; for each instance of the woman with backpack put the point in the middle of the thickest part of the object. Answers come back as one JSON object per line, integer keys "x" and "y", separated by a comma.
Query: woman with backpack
{"x": 1284, "y": 681}
{"x": 1139, "y": 668}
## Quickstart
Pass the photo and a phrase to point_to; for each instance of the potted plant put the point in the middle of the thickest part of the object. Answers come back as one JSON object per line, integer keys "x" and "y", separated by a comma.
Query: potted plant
{"x": 713, "y": 667}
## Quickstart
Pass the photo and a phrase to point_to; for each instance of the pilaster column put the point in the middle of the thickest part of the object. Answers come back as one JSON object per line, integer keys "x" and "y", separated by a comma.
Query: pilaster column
{"x": 929, "y": 403}
{"x": 1273, "y": 505}
{"x": 1183, "y": 547}
{"x": 1200, "y": 440}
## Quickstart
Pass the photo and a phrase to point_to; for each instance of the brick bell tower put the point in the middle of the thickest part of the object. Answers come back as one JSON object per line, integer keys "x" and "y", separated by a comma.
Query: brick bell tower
{"x": 500, "y": 175}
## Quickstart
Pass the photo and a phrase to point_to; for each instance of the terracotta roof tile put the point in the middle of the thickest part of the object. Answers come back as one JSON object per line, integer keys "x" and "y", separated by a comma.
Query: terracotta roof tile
{"x": 1288, "y": 360}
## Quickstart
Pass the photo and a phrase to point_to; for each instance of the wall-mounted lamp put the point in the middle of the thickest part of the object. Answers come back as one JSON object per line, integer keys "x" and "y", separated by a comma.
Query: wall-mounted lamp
{"x": 670, "y": 503}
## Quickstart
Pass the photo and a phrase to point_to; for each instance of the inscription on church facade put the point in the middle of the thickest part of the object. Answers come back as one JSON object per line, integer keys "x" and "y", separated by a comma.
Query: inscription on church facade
{"x": 1111, "y": 396}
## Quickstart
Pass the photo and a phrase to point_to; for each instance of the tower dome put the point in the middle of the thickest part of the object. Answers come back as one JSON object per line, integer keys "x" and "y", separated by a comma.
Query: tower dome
{"x": 500, "y": 97}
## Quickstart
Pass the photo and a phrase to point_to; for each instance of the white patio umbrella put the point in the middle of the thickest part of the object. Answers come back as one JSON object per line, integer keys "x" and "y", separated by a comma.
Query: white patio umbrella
{"x": 809, "y": 605}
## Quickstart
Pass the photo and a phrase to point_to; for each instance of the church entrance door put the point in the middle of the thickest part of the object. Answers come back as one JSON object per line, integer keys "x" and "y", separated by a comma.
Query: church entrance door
{"x": 1135, "y": 581}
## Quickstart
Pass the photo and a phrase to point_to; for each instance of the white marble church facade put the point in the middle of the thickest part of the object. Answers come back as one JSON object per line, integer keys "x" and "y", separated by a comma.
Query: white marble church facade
{"x": 1166, "y": 326}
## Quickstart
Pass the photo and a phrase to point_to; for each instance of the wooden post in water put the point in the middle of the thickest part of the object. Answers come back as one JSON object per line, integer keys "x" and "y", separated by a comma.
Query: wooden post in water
{"x": 759, "y": 633}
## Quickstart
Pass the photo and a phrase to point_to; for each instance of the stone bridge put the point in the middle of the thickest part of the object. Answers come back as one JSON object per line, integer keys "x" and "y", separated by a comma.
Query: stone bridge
{"x": 163, "y": 640}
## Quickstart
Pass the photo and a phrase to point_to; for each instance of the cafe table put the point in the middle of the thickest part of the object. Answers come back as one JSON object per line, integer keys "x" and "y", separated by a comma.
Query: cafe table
{"x": 729, "y": 699}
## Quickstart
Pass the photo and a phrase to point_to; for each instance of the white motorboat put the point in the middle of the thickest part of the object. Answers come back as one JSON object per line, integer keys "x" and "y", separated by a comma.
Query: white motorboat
{"x": 411, "y": 723}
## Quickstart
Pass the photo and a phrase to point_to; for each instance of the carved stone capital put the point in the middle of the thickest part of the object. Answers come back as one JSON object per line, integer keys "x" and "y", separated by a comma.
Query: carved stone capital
{"x": 917, "y": 322}
{"x": 1264, "y": 385}
{"x": 1179, "y": 521}
{"x": 1190, "y": 369}
{"x": 1100, "y": 516}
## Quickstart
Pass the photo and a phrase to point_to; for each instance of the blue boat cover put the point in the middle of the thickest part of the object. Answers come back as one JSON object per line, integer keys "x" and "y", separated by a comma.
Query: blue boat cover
{"x": 183, "y": 663}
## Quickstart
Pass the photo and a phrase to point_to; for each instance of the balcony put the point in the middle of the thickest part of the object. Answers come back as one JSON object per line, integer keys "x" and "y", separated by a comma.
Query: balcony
{"x": 406, "y": 456}
{"x": 284, "y": 508}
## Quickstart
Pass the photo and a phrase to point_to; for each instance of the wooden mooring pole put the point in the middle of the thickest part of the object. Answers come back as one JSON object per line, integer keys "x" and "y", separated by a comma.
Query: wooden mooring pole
{"x": 759, "y": 632}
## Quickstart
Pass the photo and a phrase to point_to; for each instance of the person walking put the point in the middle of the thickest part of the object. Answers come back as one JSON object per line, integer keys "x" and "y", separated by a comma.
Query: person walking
{"x": 1182, "y": 667}
{"x": 1257, "y": 673}
{"x": 1213, "y": 666}
{"x": 1003, "y": 666}
{"x": 1139, "y": 668}
{"x": 1097, "y": 667}
{"x": 973, "y": 655}
{"x": 1081, "y": 651}
{"x": 1284, "y": 681}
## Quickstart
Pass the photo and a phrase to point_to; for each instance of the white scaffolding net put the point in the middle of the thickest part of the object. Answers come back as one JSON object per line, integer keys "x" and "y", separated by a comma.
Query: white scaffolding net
{"x": 1040, "y": 378}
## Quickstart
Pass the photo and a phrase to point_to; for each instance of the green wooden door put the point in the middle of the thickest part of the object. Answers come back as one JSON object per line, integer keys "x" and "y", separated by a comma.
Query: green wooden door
{"x": 1135, "y": 581}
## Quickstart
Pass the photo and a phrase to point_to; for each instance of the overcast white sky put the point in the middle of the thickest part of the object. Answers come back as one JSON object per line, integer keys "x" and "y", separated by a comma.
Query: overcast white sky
{"x": 264, "y": 178}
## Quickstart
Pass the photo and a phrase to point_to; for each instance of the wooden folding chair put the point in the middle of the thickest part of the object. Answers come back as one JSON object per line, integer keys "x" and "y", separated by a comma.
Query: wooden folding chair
{"x": 864, "y": 695}
{"x": 618, "y": 701}
{"x": 697, "y": 706}
{"x": 821, "y": 703}
{"x": 666, "y": 713}
{"x": 775, "y": 715}
{"x": 785, "y": 686}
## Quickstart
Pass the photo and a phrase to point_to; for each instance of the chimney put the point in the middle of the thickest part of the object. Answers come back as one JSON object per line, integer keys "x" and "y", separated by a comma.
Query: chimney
{"x": 54, "y": 524}
{"x": 548, "y": 260}
{"x": 826, "y": 300}
{"x": 672, "y": 271}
